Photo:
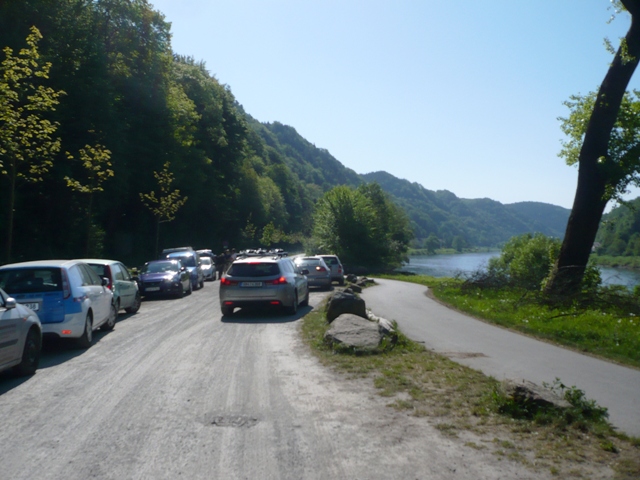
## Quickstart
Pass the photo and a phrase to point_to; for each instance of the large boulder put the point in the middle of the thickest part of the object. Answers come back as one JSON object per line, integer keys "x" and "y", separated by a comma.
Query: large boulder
{"x": 354, "y": 331}
{"x": 528, "y": 392}
{"x": 344, "y": 302}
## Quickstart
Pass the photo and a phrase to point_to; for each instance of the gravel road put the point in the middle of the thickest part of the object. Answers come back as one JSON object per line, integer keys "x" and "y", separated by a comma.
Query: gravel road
{"x": 174, "y": 392}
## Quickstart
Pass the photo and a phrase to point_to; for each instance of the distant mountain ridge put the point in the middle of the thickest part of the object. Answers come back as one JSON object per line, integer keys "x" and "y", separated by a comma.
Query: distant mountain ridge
{"x": 480, "y": 222}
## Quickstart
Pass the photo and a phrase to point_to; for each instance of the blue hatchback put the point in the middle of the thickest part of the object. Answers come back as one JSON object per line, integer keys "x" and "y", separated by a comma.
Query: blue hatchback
{"x": 70, "y": 299}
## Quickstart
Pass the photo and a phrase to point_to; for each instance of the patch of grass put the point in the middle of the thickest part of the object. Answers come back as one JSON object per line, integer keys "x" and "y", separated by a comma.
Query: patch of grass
{"x": 608, "y": 329}
{"x": 459, "y": 399}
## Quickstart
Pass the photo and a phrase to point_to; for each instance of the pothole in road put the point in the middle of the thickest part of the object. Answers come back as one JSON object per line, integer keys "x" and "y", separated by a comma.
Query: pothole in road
{"x": 234, "y": 421}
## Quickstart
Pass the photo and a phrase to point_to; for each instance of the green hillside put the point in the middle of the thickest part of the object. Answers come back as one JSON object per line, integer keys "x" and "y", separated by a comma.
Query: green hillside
{"x": 480, "y": 222}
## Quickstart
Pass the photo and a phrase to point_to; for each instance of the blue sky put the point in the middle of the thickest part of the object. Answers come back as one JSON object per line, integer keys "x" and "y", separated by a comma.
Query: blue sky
{"x": 458, "y": 95}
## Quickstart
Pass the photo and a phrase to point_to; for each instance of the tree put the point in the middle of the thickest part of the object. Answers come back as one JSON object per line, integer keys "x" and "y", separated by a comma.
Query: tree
{"x": 27, "y": 139}
{"x": 361, "y": 226}
{"x": 598, "y": 175}
{"x": 96, "y": 162}
{"x": 164, "y": 206}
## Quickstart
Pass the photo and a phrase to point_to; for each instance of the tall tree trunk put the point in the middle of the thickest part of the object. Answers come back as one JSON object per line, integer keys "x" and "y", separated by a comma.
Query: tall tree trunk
{"x": 590, "y": 199}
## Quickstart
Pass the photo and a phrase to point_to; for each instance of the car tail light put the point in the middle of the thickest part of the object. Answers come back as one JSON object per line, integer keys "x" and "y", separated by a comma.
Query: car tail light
{"x": 275, "y": 302}
{"x": 66, "y": 286}
{"x": 321, "y": 269}
{"x": 227, "y": 283}
{"x": 278, "y": 281}
{"x": 339, "y": 269}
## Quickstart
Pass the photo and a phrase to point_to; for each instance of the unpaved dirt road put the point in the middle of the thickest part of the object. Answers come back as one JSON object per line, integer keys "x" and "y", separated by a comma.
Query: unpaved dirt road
{"x": 174, "y": 392}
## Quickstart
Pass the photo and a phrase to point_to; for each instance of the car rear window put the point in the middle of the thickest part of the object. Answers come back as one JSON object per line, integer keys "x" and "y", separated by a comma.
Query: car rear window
{"x": 31, "y": 280}
{"x": 330, "y": 260}
{"x": 309, "y": 262}
{"x": 253, "y": 269}
{"x": 187, "y": 260}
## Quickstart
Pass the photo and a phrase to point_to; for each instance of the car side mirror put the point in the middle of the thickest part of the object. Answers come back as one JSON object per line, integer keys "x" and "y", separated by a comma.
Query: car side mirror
{"x": 10, "y": 303}
{"x": 105, "y": 281}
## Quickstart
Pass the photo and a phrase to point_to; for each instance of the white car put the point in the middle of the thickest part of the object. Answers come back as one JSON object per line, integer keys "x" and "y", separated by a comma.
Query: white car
{"x": 208, "y": 269}
{"x": 20, "y": 337}
{"x": 70, "y": 299}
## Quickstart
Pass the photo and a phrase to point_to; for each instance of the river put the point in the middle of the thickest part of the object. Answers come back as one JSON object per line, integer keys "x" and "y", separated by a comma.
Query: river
{"x": 450, "y": 265}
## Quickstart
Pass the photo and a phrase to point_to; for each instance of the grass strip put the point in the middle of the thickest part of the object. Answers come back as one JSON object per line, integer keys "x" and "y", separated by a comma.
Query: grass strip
{"x": 458, "y": 399}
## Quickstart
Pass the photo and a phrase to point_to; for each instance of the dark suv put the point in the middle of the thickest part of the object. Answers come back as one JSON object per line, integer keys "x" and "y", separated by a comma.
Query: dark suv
{"x": 256, "y": 280}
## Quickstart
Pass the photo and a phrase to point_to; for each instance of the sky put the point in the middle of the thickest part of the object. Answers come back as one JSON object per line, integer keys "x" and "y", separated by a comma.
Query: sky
{"x": 458, "y": 95}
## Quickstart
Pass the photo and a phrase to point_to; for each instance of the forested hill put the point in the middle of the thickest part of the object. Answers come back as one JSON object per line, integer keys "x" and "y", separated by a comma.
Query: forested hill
{"x": 479, "y": 222}
{"x": 141, "y": 149}
{"x": 314, "y": 166}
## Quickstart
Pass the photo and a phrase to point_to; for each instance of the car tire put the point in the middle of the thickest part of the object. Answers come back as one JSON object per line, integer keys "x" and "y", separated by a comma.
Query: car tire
{"x": 226, "y": 311}
{"x": 190, "y": 290}
{"x": 86, "y": 339}
{"x": 202, "y": 283}
{"x": 111, "y": 321}
{"x": 305, "y": 302}
{"x": 341, "y": 282}
{"x": 293, "y": 309}
{"x": 30, "y": 355}
{"x": 136, "y": 304}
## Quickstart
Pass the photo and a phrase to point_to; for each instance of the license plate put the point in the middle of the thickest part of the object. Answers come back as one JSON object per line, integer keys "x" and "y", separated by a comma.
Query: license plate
{"x": 251, "y": 284}
{"x": 152, "y": 289}
{"x": 33, "y": 306}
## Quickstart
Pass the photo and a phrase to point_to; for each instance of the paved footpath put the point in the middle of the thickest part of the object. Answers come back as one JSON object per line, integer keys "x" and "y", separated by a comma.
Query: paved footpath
{"x": 504, "y": 354}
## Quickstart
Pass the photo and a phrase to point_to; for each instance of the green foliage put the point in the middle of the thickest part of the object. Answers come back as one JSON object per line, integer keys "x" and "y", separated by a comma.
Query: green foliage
{"x": 526, "y": 260}
{"x": 166, "y": 204}
{"x": 621, "y": 165}
{"x": 27, "y": 138}
{"x": 362, "y": 227}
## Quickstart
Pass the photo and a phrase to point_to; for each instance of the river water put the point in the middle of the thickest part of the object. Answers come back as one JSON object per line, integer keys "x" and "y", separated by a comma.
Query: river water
{"x": 450, "y": 265}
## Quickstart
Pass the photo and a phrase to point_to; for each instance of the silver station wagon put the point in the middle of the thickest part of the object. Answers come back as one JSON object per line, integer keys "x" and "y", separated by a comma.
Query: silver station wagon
{"x": 263, "y": 281}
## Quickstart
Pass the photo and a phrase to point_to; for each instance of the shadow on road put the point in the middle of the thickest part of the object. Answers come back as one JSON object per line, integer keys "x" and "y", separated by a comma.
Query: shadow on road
{"x": 256, "y": 315}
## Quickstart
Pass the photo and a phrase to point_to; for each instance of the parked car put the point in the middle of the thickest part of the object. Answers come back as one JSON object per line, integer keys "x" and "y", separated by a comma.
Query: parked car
{"x": 70, "y": 299}
{"x": 208, "y": 268}
{"x": 20, "y": 336}
{"x": 267, "y": 281}
{"x": 191, "y": 260}
{"x": 125, "y": 289}
{"x": 164, "y": 277}
{"x": 337, "y": 271}
{"x": 319, "y": 273}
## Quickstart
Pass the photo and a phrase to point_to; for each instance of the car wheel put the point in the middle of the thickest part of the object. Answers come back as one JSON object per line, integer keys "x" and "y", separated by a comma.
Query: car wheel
{"x": 305, "y": 302}
{"x": 136, "y": 304}
{"x": 293, "y": 309}
{"x": 87, "y": 336}
{"x": 30, "y": 354}
{"x": 190, "y": 290}
{"x": 202, "y": 283}
{"x": 111, "y": 321}
{"x": 226, "y": 311}
{"x": 341, "y": 282}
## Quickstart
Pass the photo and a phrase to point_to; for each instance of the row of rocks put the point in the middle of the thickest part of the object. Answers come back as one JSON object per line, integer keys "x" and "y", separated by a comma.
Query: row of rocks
{"x": 352, "y": 325}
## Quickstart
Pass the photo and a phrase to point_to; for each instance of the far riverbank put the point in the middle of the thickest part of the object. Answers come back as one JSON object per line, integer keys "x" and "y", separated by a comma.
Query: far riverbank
{"x": 450, "y": 265}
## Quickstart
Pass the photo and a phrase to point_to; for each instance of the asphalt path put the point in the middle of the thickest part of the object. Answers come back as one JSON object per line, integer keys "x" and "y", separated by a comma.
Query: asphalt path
{"x": 505, "y": 354}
